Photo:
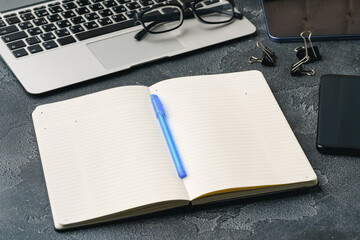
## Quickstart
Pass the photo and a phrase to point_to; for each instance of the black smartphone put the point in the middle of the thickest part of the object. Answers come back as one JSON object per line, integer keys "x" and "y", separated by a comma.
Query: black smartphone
{"x": 326, "y": 19}
{"x": 339, "y": 115}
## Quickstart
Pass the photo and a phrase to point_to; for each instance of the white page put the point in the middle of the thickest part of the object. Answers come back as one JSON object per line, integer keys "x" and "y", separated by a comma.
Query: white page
{"x": 104, "y": 153}
{"x": 231, "y": 133}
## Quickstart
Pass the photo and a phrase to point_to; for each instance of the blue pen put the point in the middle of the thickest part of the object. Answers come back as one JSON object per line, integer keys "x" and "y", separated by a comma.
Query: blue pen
{"x": 160, "y": 114}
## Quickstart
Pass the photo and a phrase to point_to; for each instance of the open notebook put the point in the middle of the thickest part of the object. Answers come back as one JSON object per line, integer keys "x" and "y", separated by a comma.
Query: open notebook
{"x": 104, "y": 156}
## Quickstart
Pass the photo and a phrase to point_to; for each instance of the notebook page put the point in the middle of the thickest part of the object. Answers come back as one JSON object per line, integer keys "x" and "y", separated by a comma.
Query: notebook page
{"x": 231, "y": 133}
{"x": 104, "y": 153}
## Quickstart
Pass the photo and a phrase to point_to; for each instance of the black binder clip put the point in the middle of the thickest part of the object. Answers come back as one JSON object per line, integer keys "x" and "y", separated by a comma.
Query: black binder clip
{"x": 297, "y": 69}
{"x": 313, "y": 51}
{"x": 268, "y": 57}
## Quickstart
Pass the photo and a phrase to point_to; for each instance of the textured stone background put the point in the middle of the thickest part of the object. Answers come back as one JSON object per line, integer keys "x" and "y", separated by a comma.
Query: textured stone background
{"x": 329, "y": 211}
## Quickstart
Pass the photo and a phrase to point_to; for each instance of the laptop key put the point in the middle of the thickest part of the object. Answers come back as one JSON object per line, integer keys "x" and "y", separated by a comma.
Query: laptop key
{"x": 131, "y": 14}
{"x": 54, "y": 4}
{"x": 32, "y": 40}
{"x": 27, "y": 16}
{"x": 47, "y": 36}
{"x": 24, "y": 11}
{"x": 62, "y": 32}
{"x": 105, "y": 12}
{"x": 35, "y": 31}
{"x": 66, "y": 40}
{"x": 110, "y": 3}
{"x": 20, "y": 53}
{"x": 9, "y": 29}
{"x": 77, "y": 20}
{"x": 68, "y": 14}
{"x": 16, "y": 45}
{"x": 39, "y": 8}
{"x": 105, "y": 30}
{"x": 54, "y": 18}
{"x": 105, "y": 21}
{"x": 119, "y": 9}
{"x": 125, "y": 1}
{"x": 146, "y": 2}
{"x": 49, "y": 27}
{"x": 82, "y": 10}
{"x": 77, "y": 29}
{"x": 63, "y": 23}
{"x": 69, "y": 6}
{"x": 35, "y": 49}
{"x": 50, "y": 45}
{"x": 42, "y": 13}
{"x": 83, "y": 2}
{"x": 132, "y": 5}
{"x": 118, "y": 18}
{"x": 55, "y": 9}
{"x": 14, "y": 36}
{"x": 13, "y": 20}
{"x": 96, "y": 7}
{"x": 25, "y": 25}
{"x": 10, "y": 15}
{"x": 91, "y": 16}
{"x": 91, "y": 25}
{"x": 40, "y": 21}
{"x": 2, "y": 23}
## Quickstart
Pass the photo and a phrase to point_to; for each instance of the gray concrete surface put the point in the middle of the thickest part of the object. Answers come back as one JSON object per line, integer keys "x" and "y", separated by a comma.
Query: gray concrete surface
{"x": 329, "y": 211}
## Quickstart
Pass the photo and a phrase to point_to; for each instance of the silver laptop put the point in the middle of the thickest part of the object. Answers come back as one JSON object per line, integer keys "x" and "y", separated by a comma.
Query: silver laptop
{"x": 52, "y": 44}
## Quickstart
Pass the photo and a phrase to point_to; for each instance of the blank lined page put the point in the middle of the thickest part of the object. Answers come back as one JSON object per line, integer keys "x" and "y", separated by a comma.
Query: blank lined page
{"x": 231, "y": 133}
{"x": 104, "y": 153}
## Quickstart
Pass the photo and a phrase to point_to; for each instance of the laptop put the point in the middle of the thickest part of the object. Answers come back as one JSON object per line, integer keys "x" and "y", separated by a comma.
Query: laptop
{"x": 53, "y": 44}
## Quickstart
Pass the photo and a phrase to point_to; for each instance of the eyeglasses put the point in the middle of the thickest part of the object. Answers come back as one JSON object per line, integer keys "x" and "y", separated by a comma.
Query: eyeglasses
{"x": 166, "y": 17}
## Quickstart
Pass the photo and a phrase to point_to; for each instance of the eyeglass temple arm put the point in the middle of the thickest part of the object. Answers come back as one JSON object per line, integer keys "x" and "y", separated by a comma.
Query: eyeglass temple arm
{"x": 187, "y": 15}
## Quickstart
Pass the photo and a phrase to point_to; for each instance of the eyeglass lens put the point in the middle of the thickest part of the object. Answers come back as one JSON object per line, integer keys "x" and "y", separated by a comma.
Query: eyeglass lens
{"x": 214, "y": 11}
{"x": 162, "y": 19}
{"x": 168, "y": 17}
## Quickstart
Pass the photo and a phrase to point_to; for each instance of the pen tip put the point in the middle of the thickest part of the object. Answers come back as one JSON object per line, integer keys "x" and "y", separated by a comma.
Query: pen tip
{"x": 182, "y": 175}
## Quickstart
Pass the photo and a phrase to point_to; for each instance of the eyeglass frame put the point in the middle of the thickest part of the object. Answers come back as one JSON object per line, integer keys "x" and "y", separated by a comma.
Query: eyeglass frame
{"x": 183, "y": 7}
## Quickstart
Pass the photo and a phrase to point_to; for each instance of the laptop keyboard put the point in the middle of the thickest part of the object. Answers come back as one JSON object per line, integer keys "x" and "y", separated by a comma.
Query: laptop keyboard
{"x": 66, "y": 22}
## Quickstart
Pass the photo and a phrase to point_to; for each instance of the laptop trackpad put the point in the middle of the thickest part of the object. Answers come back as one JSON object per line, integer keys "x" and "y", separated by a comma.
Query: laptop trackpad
{"x": 125, "y": 51}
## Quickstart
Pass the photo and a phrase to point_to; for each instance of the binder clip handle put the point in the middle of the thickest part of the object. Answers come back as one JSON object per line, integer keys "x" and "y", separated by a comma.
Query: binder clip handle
{"x": 268, "y": 57}
{"x": 312, "y": 51}
{"x": 297, "y": 69}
